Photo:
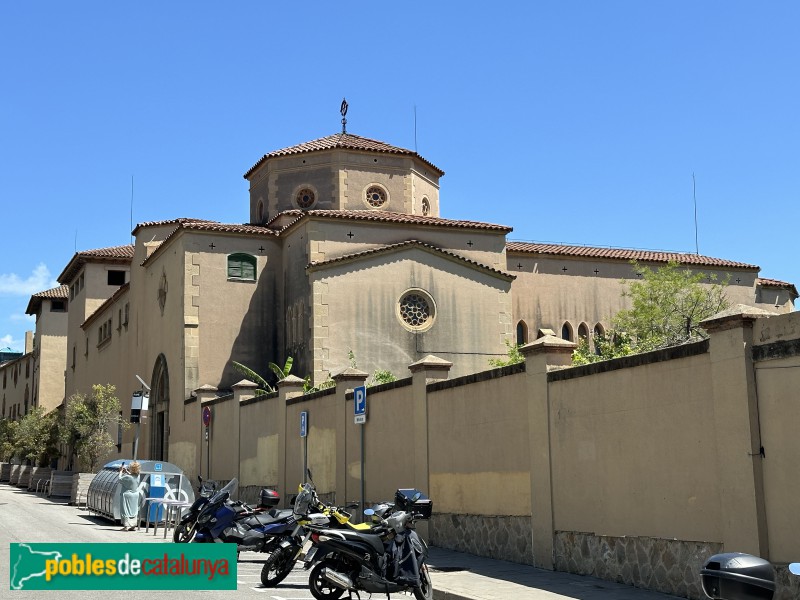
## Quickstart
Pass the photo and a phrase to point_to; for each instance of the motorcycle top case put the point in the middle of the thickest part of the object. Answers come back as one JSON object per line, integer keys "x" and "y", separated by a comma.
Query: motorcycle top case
{"x": 737, "y": 576}
{"x": 422, "y": 507}
{"x": 268, "y": 498}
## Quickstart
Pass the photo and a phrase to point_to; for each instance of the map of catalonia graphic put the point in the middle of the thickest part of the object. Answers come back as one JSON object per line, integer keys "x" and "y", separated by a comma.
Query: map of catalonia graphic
{"x": 30, "y": 564}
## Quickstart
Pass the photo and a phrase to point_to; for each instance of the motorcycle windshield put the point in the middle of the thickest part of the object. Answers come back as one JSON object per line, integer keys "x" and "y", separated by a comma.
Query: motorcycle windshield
{"x": 302, "y": 503}
{"x": 226, "y": 492}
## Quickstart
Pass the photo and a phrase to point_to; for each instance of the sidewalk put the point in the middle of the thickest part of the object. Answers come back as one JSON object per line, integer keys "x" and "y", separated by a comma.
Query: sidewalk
{"x": 460, "y": 576}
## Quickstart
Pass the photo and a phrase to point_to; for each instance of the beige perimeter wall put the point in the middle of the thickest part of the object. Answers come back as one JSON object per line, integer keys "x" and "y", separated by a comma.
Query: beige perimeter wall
{"x": 635, "y": 470}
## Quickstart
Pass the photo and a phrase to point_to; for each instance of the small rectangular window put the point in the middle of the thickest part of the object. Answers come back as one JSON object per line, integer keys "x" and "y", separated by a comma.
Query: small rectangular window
{"x": 242, "y": 266}
{"x": 58, "y": 306}
{"x": 116, "y": 277}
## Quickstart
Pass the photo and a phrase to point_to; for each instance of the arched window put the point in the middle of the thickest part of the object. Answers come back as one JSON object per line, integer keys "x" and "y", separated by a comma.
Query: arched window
{"x": 599, "y": 332}
{"x": 242, "y": 266}
{"x": 522, "y": 333}
{"x": 566, "y": 331}
{"x": 583, "y": 331}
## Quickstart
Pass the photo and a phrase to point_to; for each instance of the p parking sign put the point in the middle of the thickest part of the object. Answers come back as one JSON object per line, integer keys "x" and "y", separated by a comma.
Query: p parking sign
{"x": 360, "y": 404}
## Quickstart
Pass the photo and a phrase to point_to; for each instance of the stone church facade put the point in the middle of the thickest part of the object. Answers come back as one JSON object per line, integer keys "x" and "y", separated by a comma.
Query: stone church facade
{"x": 345, "y": 258}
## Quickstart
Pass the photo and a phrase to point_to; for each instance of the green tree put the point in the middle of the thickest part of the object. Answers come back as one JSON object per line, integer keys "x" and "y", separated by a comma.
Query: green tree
{"x": 8, "y": 439}
{"x": 667, "y": 306}
{"x": 513, "y": 354}
{"x": 36, "y": 436}
{"x": 88, "y": 422}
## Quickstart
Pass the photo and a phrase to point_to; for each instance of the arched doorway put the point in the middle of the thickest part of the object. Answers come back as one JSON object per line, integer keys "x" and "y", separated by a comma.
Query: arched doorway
{"x": 159, "y": 410}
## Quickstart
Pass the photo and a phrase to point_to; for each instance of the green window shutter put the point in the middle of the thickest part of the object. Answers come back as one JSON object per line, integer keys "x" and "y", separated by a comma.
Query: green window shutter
{"x": 241, "y": 266}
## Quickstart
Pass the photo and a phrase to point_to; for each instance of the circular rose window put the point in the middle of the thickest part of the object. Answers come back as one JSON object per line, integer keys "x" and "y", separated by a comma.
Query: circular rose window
{"x": 416, "y": 310}
{"x": 376, "y": 196}
{"x": 305, "y": 198}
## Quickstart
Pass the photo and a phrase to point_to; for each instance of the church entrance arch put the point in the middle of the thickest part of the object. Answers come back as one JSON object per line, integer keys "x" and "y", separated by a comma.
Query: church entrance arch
{"x": 159, "y": 410}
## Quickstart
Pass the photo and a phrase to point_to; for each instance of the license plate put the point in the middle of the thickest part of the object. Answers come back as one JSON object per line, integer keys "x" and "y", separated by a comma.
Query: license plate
{"x": 310, "y": 554}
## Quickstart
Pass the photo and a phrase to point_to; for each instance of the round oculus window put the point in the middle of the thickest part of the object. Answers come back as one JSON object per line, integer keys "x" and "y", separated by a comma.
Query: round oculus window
{"x": 416, "y": 310}
{"x": 305, "y": 198}
{"x": 376, "y": 196}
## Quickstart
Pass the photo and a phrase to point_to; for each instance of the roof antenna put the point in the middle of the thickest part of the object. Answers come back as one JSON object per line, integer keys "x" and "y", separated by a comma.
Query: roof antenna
{"x": 131, "y": 209}
{"x": 694, "y": 195}
{"x": 343, "y": 110}
{"x": 415, "y": 128}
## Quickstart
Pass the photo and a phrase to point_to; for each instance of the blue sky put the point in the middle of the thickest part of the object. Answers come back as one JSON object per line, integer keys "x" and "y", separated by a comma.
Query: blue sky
{"x": 573, "y": 122}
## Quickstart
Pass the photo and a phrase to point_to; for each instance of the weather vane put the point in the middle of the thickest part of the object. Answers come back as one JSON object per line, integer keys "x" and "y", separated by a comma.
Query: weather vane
{"x": 343, "y": 110}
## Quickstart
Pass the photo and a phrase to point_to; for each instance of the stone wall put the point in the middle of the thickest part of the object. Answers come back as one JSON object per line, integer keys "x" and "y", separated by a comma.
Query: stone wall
{"x": 501, "y": 537}
{"x": 664, "y": 565}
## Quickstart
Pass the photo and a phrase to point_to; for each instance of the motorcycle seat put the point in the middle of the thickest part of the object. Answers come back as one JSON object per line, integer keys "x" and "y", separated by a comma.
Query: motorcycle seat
{"x": 271, "y": 517}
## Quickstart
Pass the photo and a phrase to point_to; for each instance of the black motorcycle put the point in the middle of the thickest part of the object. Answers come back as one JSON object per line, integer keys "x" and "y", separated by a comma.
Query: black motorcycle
{"x": 220, "y": 519}
{"x": 184, "y": 531}
{"x": 390, "y": 559}
{"x": 307, "y": 510}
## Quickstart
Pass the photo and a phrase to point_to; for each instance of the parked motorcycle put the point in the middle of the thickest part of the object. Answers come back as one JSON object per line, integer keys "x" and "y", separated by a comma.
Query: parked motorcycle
{"x": 184, "y": 531}
{"x": 391, "y": 558}
{"x": 221, "y": 519}
{"x": 308, "y": 510}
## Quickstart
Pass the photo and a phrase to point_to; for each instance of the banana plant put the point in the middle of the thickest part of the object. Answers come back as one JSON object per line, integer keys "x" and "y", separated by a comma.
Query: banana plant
{"x": 264, "y": 388}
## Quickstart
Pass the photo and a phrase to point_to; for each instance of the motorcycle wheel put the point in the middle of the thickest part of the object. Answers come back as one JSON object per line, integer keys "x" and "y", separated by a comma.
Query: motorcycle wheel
{"x": 278, "y": 566}
{"x": 425, "y": 590}
{"x": 321, "y": 588}
{"x": 184, "y": 533}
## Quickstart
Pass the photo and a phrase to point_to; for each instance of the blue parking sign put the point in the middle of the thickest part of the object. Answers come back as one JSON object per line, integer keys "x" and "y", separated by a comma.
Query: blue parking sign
{"x": 360, "y": 404}
{"x": 304, "y": 423}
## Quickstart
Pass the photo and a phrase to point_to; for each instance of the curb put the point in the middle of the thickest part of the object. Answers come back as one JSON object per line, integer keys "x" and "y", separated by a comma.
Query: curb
{"x": 445, "y": 595}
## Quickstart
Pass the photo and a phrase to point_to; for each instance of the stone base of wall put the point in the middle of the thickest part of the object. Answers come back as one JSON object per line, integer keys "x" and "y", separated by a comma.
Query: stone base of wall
{"x": 787, "y": 585}
{"x": 501, "y": 537}
{"x": 663, "y": 565}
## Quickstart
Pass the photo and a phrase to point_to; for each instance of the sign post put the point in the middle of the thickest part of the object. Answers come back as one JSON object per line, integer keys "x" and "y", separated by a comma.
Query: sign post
{"x": 360, "y": 414}
{"x": 207, "y": 424}
{"x": 139, "y": 406}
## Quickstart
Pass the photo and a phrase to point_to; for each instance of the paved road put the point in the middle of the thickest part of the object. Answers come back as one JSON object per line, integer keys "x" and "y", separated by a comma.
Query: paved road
{"x": 26, "y": 517}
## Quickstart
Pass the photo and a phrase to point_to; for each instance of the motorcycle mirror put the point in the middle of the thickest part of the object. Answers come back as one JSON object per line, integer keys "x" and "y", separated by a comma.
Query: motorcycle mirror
{"x": 368, "y": 512}
{"x": 794, "y": 568}
{"x": 416, "y": 496}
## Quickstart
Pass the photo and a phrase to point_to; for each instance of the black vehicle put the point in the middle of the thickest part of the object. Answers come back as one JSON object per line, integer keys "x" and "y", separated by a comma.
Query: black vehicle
{"x": 184, "y": 531}
{"x": 307, "y": 510}
{"x": 389, "y": 559}
{"x": 220, "y": 519}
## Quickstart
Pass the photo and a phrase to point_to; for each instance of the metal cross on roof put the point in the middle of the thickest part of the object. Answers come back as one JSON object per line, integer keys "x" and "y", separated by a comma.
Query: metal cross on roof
{"x": 343, "y": 110}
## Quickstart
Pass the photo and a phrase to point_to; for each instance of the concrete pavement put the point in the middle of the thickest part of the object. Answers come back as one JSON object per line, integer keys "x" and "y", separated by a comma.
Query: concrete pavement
{"x": 26, "y": 517}
{"x": 460, "y": 576}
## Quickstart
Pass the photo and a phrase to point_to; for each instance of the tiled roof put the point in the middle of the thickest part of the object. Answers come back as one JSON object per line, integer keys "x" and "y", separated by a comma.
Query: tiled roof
{"x": 211, "y": 226}
{"x": 624, "y": 254}
{"x": 57, "y": 293}
{"x": 777, "y": 283}
{"x": 408, "y": 244}
{"x": 391, "y": 217}
{"x": 99, "y": 311}
{"x": 345, "y": 141}
{"x": 169, "y": 222}
{"x": 113, "y": 255}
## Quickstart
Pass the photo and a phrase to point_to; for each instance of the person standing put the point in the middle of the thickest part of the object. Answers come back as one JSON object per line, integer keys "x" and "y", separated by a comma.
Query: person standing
{"x": 129, "y": 510}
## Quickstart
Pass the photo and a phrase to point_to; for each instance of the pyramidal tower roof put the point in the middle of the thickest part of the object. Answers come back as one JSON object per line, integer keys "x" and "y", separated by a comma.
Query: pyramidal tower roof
{"x": 343, "y": 141}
